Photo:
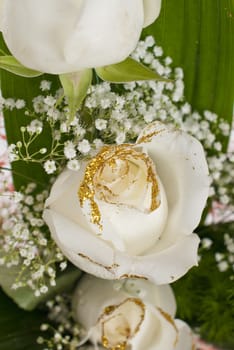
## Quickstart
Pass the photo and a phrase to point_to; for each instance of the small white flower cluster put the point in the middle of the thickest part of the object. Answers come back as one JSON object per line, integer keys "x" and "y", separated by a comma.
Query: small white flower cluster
{"x": 25, "y": 241}
{"x": 8, "y": 202}
{"x": 222, "y": 174}
{"x": 65, "y": 332}
{"x": 69, "y": 144}
{"x": 225, "y": 260}
{"x": 11, "y": 103}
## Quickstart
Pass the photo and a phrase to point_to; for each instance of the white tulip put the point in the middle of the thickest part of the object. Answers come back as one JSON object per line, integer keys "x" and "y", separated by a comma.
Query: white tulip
{"x": 131, "y": 210}
{"x": 129, "y": 314}
{"x": 63, "y": 36}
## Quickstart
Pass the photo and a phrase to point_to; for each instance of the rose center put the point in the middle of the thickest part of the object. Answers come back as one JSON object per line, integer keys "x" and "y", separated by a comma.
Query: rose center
{"x": 120, "y": 323}
{"x": 120, "y": 175}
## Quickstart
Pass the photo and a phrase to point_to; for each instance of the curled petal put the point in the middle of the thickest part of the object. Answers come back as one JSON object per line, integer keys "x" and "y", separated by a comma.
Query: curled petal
{"x": 167, "y": 265}
{"x": 185, "y": 337}
{"x": 151, "y": 11}
{"x": 84, "y": 252}
{"x": 158, "y": 331}
{"x": 181, "y": 164}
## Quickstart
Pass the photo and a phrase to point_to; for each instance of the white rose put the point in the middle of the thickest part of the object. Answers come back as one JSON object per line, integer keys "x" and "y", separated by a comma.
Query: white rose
{"x": 131, "y": 210}
{"x": 62, "y": 36}
{"x": 132, "y": 314}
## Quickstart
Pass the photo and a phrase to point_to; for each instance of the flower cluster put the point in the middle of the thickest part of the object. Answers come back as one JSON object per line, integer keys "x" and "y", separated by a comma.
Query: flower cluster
{"x": 62, "y": 331}
{"x": 121, "y": 138}
{"x": 26, "y": 243}
{"x": 226, "y": 260}
{"x": 118, "y": 117}
{"x": 69, "y": 142}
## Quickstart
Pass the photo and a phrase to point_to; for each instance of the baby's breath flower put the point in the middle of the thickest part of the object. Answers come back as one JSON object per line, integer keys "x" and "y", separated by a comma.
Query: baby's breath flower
{"x": 158, "y": 51}
{"x": 9, "y": 103}
{"x": 73, "y": 164}
{"x": 84, "y": 146}
{"x": 63, "y": 265}
{"x": 45, "y": 85}
{"x": 50, "y": 166}
{"x": 12, "y": 153}
{"x": 120, "y": 138}
{"x": 69, "y": 150}
{"x": 19, "y": 104}
{"x": 223, "y": 266}
{"x": 39, "y": 105}
{"x": 50, "y": 101}
{"x": 100, "y": 124}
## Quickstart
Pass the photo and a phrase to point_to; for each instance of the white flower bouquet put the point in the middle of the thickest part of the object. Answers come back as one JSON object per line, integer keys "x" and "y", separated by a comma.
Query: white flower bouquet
{"x": 116, "y": 211}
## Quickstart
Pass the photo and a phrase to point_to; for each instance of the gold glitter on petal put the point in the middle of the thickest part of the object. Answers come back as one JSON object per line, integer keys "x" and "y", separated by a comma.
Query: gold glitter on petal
{"x": 108, "y": 268}
{"x": 126, "y": 275}
{"x": 109, "y": 155}
{"x": 171, "y": 321}
{"x": 147, "y": 136}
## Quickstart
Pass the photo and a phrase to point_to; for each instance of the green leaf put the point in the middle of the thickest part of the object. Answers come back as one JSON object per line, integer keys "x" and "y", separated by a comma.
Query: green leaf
{"x": 199, "y": 36}
{"x": 10, "y": 64}
{"x": 127, "y": 71}
{"x": 75, "y": 86}
{"x": 18, "y": 329}
{"x": 24, "y": 297}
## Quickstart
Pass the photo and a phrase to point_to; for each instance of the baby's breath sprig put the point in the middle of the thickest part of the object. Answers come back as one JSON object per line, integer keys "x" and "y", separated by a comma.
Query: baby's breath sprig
{"x": 61, "y": 332}
{"x": 26, "y": 244}
{"x": 68, "y": 142}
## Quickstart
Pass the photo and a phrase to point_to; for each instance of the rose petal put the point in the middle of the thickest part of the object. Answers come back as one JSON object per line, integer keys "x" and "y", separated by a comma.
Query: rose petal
{"x": 60, "y": 36}
{"x": 158, "y": 331}
{"x": 106, "y": 32}
{"x": 156, "y": 295}
{"x": 91, "y": 297}
{"x": 185, "y": 338}
{"x": 36, "y": 31}
{"x": 80, "y": 246}
{"x": 151, "y": 11}
{"x": 2, "y": 13}
{"x": 168, "y": 265}
{"x": 182, "y": 167}
{"x": 64, "y": 198}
